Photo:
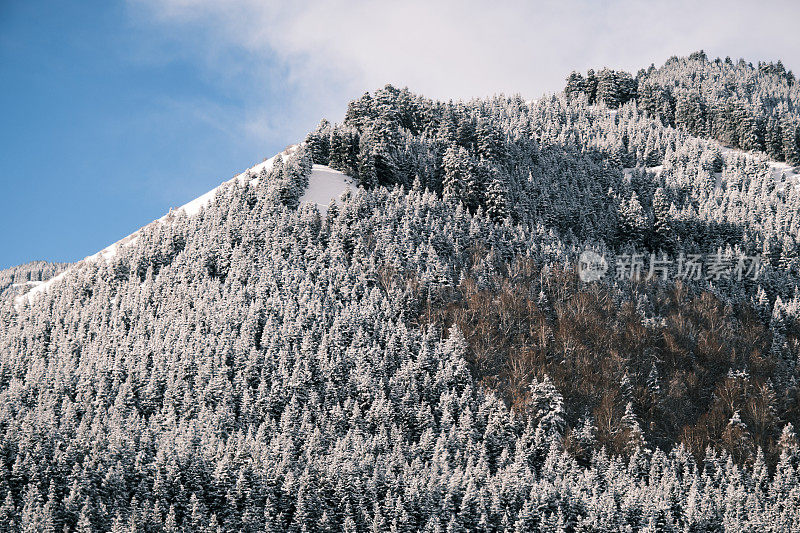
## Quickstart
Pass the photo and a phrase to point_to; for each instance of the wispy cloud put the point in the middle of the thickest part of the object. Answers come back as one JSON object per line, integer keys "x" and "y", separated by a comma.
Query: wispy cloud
{"x": 330, "y": 51}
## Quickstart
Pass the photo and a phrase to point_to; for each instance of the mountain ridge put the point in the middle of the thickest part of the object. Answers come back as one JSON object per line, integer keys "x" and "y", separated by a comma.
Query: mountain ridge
{"x": 326, "y": 186}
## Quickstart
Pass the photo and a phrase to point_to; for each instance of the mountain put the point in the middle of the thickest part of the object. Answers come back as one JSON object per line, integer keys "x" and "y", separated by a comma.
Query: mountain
{"x": 389, "y": 327}
{"x": 19, "y": 279}
{"x": 739, "y": 105}
{"x": 325, "y": 185}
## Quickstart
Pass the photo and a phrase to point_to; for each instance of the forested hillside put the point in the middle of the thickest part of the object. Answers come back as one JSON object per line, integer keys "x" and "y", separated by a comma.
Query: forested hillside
{"x": 18, "y": 279}
{"x": 423, "y": 355}
{"x": 738, "y": 104}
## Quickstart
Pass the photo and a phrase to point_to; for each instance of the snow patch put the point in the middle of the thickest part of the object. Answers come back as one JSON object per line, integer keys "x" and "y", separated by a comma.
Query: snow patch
{"x": 627, "y": 172}
{"x": 190, "y": 209}
{"x": 325, "y": 184}
{"x": 783, "y": 173}
{"x": 27, "y": 284}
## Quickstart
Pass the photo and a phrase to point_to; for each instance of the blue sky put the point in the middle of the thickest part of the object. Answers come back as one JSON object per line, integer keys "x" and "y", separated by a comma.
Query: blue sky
{"x": 112, "y": 112}
{"x": 109, "y": 120}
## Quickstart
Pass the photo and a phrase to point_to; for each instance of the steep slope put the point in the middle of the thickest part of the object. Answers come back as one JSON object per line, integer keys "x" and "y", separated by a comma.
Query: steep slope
{"x": 19, "y": 279}
{"x": 253, "y": 363}
{"x": 325, "y": 184}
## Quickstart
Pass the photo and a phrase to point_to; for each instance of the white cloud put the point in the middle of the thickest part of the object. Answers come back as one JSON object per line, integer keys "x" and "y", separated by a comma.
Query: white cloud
{"x": 334, "y": 50}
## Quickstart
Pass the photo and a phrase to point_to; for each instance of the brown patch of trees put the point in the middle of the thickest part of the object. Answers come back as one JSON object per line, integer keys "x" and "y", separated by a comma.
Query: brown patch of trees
{"x": 695, "y": 369}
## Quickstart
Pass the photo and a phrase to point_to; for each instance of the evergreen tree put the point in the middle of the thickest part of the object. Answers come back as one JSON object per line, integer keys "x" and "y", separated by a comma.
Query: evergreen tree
{"x": 591, "y": 86}
{"x": 547, "y": 407}
{"x": 663, "y": 224}
{"x": 633, "y": 224}
{"x": 576, "y": 85}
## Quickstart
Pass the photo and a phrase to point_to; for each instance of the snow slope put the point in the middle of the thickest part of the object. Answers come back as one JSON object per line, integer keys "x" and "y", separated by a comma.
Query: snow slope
{"x": 783, "y": 173}
{"x": 325, "y": 184}
{"x": 627, "y": 172}
{"x": 27, "y": 284}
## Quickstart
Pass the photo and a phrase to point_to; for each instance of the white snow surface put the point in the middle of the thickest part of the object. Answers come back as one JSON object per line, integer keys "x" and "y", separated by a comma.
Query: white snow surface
{"x": 784, "y": 174}
{"x": 627, "y": 172}
{"x": 27, "y": 284}
{"x": 325, "y": 184}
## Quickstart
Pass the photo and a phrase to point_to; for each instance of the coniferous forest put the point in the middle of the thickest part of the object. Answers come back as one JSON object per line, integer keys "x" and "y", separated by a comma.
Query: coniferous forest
{"x": 17, "y": 280}
{"x": 424, "y": 354}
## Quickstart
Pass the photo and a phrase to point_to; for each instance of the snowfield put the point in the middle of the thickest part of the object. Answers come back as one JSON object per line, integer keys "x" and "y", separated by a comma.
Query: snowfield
{"x": 324, "y": 185}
